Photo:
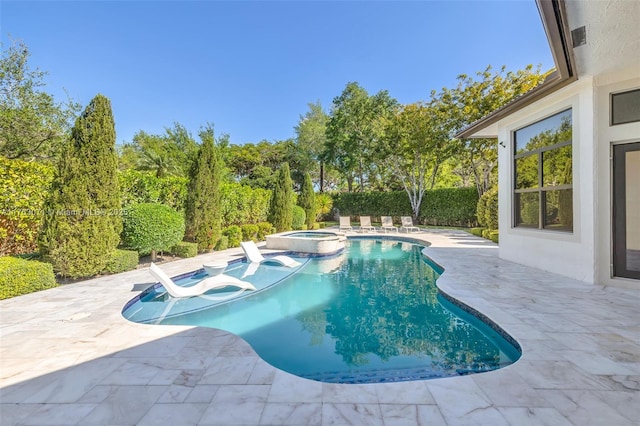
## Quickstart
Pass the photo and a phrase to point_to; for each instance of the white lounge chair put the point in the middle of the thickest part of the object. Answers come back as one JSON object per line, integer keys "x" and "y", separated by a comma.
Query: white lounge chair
{"x": 365, "y": 224}
{"x": 345, "y": 223}
{"x": 217, "y": 282}
{"x": 387, "y": 223}
{"x": 407, "y": 223}
{"x": 254, "y": 256}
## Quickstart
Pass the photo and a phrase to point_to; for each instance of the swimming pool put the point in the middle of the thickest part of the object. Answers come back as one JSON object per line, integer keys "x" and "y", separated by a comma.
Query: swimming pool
{"x": 370, "y": 314}
{"x": 312, "y": 242}
{"x": 311, "y": 234}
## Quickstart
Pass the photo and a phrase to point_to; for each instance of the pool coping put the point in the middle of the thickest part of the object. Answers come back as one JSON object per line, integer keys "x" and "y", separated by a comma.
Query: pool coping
{"x": 580, "y": 361}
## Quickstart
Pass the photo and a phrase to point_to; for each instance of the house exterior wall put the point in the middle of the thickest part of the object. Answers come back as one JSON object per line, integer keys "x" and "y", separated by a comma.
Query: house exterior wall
{"x": 607, "y": 137}
{"x": 570, "y": 254}
{"x": 584, "y": 254}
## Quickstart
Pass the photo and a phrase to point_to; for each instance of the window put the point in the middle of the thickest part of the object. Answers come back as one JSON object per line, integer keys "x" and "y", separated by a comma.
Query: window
{"x": 625, "y": 107}
{"x": 543, "y": 178}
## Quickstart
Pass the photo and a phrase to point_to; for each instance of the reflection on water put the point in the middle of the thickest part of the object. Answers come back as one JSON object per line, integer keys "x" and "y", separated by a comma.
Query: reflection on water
{"x": 371, "y": 314}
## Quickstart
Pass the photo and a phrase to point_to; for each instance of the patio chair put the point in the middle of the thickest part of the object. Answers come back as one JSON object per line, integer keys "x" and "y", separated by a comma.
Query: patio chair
{"x": 254, "y": 256}
{"x": 216, "y": 282}
{"x": 407, "y": 223}
{"x": 387, "y": 223}
{"x": 345, "y": 223}
{"x": 365, "y": 224}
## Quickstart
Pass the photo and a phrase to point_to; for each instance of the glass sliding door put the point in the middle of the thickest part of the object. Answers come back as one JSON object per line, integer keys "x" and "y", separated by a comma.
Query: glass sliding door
{"x": 626, "y": 210}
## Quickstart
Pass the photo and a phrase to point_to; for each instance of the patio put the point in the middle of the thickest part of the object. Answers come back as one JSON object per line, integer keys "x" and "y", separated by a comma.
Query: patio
{"x": 69, "y": 357}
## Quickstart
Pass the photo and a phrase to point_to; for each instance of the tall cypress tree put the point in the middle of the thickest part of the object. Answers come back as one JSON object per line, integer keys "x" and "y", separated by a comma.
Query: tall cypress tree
{"x": 281, "y": 209}
{"x": 307, "y": 200}
{"x": 82, "y": 222}
{"x": 203, "y": 212}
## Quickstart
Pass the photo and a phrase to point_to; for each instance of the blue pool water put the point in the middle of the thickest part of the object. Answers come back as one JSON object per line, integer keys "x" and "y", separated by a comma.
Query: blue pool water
{"x": 369, "y": 314}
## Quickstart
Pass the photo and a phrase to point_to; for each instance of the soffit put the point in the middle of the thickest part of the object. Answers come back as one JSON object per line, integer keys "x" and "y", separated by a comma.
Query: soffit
{"x": 612, "y": 44}
{"x": 612, "y": 35}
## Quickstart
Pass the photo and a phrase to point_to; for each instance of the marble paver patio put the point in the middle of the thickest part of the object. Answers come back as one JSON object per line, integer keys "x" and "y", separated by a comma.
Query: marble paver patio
{"x": 67, "y": 356}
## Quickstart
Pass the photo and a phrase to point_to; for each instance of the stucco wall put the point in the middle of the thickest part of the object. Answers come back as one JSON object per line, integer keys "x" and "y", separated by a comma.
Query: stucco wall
{"x": 570, "y": 254}
{"x": 585, "y": 254}
{"x": 607, "y": 137}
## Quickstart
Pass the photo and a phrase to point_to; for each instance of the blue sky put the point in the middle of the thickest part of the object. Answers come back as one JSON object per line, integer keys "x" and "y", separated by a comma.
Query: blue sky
{"x": 251, "y": 68}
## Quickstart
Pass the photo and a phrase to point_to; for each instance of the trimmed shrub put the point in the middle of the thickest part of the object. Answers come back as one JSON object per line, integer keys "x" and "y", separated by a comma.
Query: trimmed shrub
{"x": 23, "y": 188}
{"x": 81, "y": 229}
{"x": 242, "y": 204}
{"x": 394, "y": 203}
{"x": 444, "y": 207}
{"x": 264, "y": 229}
{"x": 185, "y": 249}
{"x": 449, "y": 207}
{"x": 487, "y": 209}
{"x": 476, "y": 231}
{"x": 203, "y": 211}
{"x": 19, "y": 276}
{"x": 234, "y": 234}
{"x": 493, "y": 236}
{"x": 250, "y": 232}
{"x": 222, "y": 244}
{"x": 315, "y": 226}
{"x": 307, "y": 200}
{"x": 149, "y": 228}
{"x": 145, "y": 187}
{"x": 281, "y": 209}
{"x": 122, "y": 261}
{"x": 299, "y": 218}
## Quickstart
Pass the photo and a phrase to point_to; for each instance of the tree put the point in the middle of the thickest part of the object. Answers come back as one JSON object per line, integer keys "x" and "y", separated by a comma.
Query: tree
{"x": 473, "y": 99}
{"x": 82, "y": 224}
{"x": 203, "y": 209}
{"x": 354, "y": 129}
{"x": 417, "y": 144}
{"x": 169, "y": 154}
{"x": 311, "y": 139}
{"x": 157, "y": 154}
{"x": 33, "y": 126}
{"x": 281, "y": 209}
{"x": 151, "y": 227}
{"x": 307, "y": 200}
{"x": 256, "y": 165}
{"x": 186, "y": 146}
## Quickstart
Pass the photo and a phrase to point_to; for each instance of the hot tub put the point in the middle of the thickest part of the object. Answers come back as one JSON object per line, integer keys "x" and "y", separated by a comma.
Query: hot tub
{"x": 320, "y": 242}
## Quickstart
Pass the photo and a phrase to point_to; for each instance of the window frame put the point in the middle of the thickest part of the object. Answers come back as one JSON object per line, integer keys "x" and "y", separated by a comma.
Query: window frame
{"x": 612, "y": 97}
{"x": 540, "y": 189}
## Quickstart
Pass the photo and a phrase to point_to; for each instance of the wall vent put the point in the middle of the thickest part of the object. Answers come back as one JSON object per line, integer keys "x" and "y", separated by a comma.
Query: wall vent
{"x": 579, "y": 36}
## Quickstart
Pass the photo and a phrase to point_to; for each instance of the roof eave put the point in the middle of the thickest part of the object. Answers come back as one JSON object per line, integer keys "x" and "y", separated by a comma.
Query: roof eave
{"x": 554, "y": 20}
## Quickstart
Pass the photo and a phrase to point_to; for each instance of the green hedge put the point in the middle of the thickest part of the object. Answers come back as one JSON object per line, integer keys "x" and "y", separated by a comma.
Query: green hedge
{"x": 185, "y": 249}
{"x": 299, "y": 218}
{"x": 23, "y": 188}
{"x": 444, "y": 207}
{"x": 19, "y": 276}
{"x": 250, "y": 232}
{"x": 476, "y": 231}
{"x": 222, "y": 244}
{"x": 151, "y": 227}
{"x": 121, "y": 261}
{"x": 487, "y": 209}
{"x": 144, "y": 187}
{"x": 242, "y": 204}
{"x": 264, "y": 229}
{"x": 234, "y": 235}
